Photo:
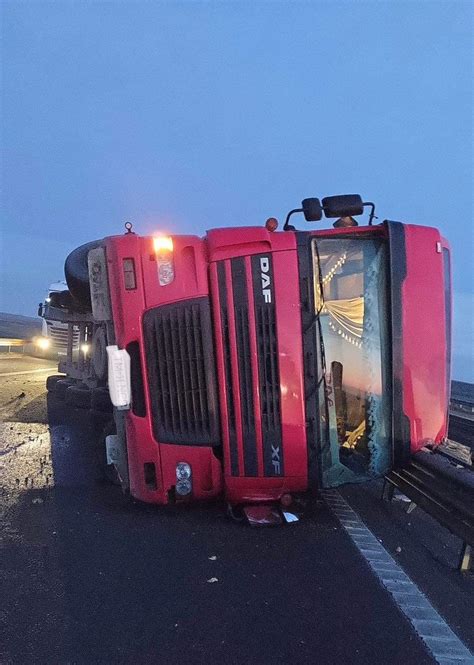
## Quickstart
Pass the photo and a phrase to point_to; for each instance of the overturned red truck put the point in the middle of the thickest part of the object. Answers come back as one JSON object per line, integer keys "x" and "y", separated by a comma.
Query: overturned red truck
{"x": 256, "y": 364}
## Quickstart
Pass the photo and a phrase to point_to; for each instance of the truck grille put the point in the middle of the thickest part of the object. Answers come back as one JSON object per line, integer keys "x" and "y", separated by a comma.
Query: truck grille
{"x": 59, "y": 335}
{"x": 242, "y": 333}
{"x": 181, "y": 373}
{"x": 249, "y": 302}
{"x": 269, "y": 382}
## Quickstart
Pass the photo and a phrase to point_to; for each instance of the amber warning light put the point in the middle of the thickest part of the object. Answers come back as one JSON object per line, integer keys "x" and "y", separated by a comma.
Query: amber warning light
{"x": 162, "y": 244}
{"x": 163, "y": 247}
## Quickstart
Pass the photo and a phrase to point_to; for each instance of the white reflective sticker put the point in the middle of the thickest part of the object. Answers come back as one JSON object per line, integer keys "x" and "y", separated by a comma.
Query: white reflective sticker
{"x": 119, "y": 377}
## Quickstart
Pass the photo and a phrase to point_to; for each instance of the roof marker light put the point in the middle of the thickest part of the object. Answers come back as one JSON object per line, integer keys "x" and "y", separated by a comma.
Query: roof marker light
{"x": 271, "y": 224}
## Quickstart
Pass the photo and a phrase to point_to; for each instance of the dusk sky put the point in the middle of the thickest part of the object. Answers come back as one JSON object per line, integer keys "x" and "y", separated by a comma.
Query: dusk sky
{"x": 184, "y": 116}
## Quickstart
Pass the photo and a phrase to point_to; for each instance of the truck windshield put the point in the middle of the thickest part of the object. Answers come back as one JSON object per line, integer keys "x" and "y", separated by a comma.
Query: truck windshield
{"x": 351, "y": 298}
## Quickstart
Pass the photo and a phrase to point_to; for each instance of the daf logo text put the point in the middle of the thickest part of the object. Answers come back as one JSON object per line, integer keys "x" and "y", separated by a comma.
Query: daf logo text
{"x": 265, "y": 275}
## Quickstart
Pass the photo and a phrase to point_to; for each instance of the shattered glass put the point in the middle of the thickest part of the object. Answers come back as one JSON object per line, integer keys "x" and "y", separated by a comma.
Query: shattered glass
{"x": 352, "y": 298}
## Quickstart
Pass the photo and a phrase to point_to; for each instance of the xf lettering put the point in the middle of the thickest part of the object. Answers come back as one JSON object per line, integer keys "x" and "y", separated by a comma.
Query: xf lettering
{"x": 276, "y": 459}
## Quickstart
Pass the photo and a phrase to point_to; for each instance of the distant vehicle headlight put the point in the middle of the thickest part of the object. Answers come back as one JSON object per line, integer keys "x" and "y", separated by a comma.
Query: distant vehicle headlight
{"x": 43, "y": 343}
{"x": 85, "y": 348}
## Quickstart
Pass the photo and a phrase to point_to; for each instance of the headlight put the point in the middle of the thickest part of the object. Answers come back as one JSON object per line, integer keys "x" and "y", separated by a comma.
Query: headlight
{"x": 183, "y": 471}
{"x": 43, "y": 343}
{"x": 85, "y": 348}
{"x": 183, "y": 487}
{"x": 183, "y": 479}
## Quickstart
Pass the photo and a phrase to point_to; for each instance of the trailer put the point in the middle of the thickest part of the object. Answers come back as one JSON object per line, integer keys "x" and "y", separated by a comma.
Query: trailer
{"x": 255, "y": 364}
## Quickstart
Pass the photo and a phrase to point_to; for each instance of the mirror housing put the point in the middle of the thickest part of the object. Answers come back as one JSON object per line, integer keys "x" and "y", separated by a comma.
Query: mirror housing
{"x": 312, "y": 209}
{"x": 345, "y": 205}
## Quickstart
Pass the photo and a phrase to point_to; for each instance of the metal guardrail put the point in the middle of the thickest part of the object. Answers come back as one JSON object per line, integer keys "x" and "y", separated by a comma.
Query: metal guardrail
{"x": 461, "y": 429}
{"x": 443, "y": 491}
{"x": 462, "y": 392}
{"x": 12, "y": 342}
{"x": 457, "y": 452}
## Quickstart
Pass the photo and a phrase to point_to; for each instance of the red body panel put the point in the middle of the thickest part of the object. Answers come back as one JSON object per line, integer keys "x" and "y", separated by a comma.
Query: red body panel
{"x": 229, "y": 243}
{"x": 286, "y": 284}
{"x": 291, "y": 367}
{"x": 128, "y": 308}
{"x": 425, "y": 380}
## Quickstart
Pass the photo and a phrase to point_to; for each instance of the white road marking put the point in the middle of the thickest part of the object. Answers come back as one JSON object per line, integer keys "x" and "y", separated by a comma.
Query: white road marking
{"x": 443, "y": 644}
{"x": 29, "y": 371}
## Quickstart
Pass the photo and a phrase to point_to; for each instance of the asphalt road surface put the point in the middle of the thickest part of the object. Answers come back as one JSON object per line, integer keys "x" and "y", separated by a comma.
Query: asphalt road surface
{"x": 89, "y": 577}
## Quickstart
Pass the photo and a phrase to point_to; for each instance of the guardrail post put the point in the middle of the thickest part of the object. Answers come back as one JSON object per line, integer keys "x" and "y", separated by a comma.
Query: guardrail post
{"x": 388, "y": 490}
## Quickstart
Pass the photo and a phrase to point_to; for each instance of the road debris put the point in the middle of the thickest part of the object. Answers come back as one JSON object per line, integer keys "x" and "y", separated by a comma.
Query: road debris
{"x": 290, "y": 517}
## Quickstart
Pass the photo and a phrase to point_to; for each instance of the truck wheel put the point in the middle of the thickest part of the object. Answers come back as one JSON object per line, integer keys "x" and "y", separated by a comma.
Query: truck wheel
{"x": 100, "y": 400}
{"x": 52, "y": 380}
{"x": 100, "y": 419}
{"x": 78, "y": 396}
{"x": 61, "y": 387}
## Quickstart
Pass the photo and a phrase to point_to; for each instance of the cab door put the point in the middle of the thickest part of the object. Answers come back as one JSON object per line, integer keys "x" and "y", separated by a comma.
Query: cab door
{"x": 420, "y": 289}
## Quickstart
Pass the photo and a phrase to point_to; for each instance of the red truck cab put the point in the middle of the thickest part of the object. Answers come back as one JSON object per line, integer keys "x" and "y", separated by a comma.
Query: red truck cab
{"x": 265, "y": 363}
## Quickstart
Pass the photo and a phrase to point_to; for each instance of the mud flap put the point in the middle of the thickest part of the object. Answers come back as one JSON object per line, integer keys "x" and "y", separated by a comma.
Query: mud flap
{"x": 116, "y": 453}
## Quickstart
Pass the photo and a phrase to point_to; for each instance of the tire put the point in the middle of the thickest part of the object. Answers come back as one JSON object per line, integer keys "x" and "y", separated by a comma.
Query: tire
{"x": 100, "y": 419}
{"x": 61, "y": 387}
{"x": 52, "y": 380}
{"x": 77, "y": 273}
{"x": 100, "y": 400}
{"x": 78, "y": 396}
